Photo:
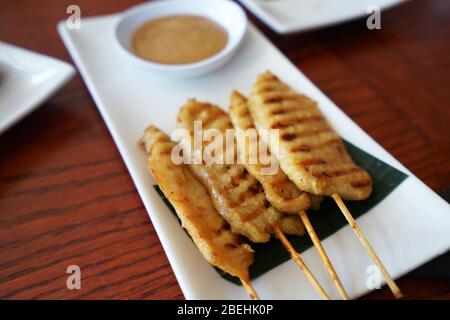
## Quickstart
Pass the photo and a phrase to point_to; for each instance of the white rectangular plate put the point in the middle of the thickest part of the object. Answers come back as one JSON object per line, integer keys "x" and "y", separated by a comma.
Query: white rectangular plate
{"x": 27, "y": 79}
{"x": 411, "y": 226}
{"x": 287, "y": 16}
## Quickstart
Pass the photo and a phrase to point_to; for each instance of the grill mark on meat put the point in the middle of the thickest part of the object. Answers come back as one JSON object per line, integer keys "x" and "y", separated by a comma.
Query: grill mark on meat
{"x": 307, "y": 134}
{"x": 280, "y": 111}
{"x": 321, "y": 175}
{"x": 313, "y": 161}
{"x": 336, "y": 173}
{"x": 361, "y": 184}
{"x": 291, "y": 122}
{"x": 265, "y": 89}
{"x": 283, "y": 111}
{"x": 301, "y": 148}
{"x": 280, "y": 98}
{"x": 309, "y": 148}
{"x": 289, "y": 136}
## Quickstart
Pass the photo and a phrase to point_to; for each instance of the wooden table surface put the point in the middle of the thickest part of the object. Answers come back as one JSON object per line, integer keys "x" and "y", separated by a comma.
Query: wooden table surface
{"x": 66, "y": 197}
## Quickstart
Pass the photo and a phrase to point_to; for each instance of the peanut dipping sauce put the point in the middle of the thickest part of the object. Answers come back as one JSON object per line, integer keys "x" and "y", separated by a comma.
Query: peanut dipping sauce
{"x": 179, "y": 39}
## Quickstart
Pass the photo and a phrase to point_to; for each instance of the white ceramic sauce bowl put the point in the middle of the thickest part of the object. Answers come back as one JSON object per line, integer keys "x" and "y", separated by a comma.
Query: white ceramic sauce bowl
{"x": 227, "y": 14}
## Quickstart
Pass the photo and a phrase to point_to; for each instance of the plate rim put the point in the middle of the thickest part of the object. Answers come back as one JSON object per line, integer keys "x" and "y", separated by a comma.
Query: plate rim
{"x": 285, "y": 29}
{"x": 64, "y": 72}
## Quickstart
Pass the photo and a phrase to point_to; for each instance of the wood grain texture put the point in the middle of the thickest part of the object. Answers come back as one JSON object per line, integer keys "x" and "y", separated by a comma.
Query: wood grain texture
{"x": 65, "y": 194}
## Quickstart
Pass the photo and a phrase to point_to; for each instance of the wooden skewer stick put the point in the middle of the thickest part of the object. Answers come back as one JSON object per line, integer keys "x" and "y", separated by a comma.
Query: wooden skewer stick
{"x": 298, "y": 260}
{"x": 323, "y": 255}
{"x": 249, "y": 288}
{"x": 392, "y": 285}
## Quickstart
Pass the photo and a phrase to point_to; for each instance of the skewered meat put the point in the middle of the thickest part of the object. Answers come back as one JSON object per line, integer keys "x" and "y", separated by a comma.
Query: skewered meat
{"x": 282, "y": 193}
{"x": 236, "y": 194}
{"x": 310, "y": 152}
{"x": 209, "y": 231}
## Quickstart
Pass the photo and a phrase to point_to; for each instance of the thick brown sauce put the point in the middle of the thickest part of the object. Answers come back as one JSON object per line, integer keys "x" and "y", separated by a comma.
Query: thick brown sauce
{"x": 179, "y": 39}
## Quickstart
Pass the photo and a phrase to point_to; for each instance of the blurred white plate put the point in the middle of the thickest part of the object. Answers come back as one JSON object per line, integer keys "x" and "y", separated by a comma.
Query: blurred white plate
{"x": 27, "y": 79}
{"x": 406, "y": 230}
{"x": 287, "y": 16}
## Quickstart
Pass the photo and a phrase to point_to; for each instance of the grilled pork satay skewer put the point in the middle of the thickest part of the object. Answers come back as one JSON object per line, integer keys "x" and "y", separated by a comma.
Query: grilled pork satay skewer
{"x": 310, "y": 152}
{"x": 236, "y": 194}
{"x": 280, "y": 191}
{"x": 209, "y": 231}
